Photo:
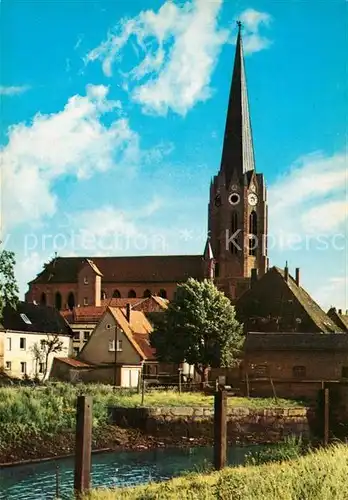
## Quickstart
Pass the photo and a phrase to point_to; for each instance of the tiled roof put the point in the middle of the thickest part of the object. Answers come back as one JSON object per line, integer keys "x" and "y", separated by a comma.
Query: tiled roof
{"x": 75, "y": 363}
{"x": 156, "y": 269}
{"x": 29, "y": 317}
{"x": 279, "y": 341}
{"x": 340, "y": 319}
{"x": 137, "y": 330}
{"x": 318, "y": 316}
{"x": 85, "y": 314}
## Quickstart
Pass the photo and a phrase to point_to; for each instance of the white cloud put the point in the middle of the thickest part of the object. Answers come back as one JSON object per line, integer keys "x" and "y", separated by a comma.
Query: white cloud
{"x": 14, "y": 90}
{"x": 72, "y": 142}
{"x": 333, "y": 293}
{"x": 180, "y": 45}
{"x": 310, "y": 199}
{"x": 252, "y": 21}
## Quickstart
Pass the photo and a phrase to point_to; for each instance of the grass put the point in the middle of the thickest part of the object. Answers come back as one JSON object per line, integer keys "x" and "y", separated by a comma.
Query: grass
{"x": 320, "y": 475}
{"x": 48, "y": 410}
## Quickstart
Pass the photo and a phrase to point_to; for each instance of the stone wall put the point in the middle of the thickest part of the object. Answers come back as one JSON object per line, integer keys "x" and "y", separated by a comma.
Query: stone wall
{"x": 243, "y": 424}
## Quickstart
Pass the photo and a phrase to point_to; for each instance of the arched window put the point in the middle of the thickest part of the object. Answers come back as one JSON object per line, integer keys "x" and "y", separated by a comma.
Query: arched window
{"x": 163, "y": 293}
{"x": 234, "y": 229}
{"x": 116, "y": 294}
{"x": 58, "y": 301}
{"x": 103, "y": 295}
{"x": 252, "y": 233}
{"x": 43, "y": 299}
{"x": 71, "y": 301}
{"x": 131, "y": 294}
{"x": 147, "y": 293}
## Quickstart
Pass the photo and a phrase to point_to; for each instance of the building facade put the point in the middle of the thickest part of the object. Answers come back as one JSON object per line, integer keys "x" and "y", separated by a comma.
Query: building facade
{"x": 237, "y": 233}
{"x": 23, "y": 334}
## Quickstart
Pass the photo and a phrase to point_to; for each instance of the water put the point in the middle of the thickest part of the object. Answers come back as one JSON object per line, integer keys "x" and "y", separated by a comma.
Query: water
{"x": 38, "y": 481}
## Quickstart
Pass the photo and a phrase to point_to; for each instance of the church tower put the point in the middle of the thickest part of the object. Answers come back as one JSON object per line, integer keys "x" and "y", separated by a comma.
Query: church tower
{"x": 237, "y": 211}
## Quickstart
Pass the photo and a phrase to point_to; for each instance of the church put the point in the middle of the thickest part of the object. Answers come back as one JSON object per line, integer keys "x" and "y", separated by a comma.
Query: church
{"x": 236, "y": 248}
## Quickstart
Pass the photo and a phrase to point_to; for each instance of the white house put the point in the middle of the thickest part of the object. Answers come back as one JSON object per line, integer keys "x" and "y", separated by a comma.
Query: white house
{"x": 24, "y": 333}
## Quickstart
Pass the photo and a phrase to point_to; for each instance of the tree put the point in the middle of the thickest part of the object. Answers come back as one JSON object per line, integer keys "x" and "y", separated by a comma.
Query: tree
{"x": 38, "y": 356}
{"x": 8, "y": 286}
{"x": 198, "y": 327}
{"x": 51, "y": 345}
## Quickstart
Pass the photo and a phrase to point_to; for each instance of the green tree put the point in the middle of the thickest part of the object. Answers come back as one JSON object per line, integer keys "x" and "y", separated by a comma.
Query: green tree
{"x": 8, "y": 286}
{"x": 198, "y": 327}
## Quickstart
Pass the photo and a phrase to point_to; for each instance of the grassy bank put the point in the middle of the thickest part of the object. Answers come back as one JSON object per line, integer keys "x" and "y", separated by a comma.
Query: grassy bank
{"x": 318, "y": 476}
{"x": 45, "y": 416}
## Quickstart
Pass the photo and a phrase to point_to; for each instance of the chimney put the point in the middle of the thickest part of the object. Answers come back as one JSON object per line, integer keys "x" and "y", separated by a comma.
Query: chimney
{"x": 128, "y": 312}
{"x": 286, "y": 272}
{"x": 253, "y": 277}
{"x": 340, "y": 311}
{"x": 297, "y": 270}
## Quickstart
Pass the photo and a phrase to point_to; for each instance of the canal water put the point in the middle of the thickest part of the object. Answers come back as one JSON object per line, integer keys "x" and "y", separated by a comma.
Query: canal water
{"x": 114, "y": 469}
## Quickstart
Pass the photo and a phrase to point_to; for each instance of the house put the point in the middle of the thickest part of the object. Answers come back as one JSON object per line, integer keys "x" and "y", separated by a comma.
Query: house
{"x": 23, "y": 333}
{"x": 237, "y": 228}
{"x": 339, "y": 318}
{"x": 83, "y": 320}
{"x": 296, "y": 364}
{"x": 116, "y": 351}
{"x": 277, "y": 302}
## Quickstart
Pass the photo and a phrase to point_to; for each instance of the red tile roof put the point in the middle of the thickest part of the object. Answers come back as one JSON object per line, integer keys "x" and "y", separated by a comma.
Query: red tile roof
{"x": 75, "y": 363}
{"x": 155, "y": 269}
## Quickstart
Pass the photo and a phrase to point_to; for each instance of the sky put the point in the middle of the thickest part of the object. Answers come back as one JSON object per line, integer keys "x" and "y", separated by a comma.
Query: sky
{"x": 113, "y": 115}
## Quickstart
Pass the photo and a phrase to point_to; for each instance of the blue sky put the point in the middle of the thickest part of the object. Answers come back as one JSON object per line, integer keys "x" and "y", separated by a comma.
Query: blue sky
{"x": 112, "y": 124}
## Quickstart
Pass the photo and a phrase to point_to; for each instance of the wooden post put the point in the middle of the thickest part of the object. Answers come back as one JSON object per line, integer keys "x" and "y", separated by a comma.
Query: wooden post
{"x": 247, "y": 384}
{"x": 82, "y": 479}
{"x": 179, "y": 380}
{"x": 142, "y": 390}
{"x": 273, "y": 389}
{"x": 326, "y": 417}
{"x": 220, "y": 429}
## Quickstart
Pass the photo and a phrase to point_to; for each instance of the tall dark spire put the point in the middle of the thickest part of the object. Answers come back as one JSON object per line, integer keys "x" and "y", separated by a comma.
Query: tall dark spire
{"x": 238, "y": 152}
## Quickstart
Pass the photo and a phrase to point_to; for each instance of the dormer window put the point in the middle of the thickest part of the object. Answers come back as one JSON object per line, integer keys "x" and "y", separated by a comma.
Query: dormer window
{"x": 25, "y": 319}
{"x": 85, "y": 280}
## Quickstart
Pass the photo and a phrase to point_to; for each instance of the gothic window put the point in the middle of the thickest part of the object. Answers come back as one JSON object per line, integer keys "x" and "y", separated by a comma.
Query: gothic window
{"x": 71, "y": 301}
{"x": 252, "y": 233}
{"x": 163, "y": 293}
{"x": 147, "y": 293}
{"x": 234, "y": 228}
{"x": 58, "y": 301}
{"x": 103, "y": 295}
{"x": 116, "y": 294}
{"x": 132, "y": 294}
{"x": 217, "y": 269}
{"x": 43, "y": 299}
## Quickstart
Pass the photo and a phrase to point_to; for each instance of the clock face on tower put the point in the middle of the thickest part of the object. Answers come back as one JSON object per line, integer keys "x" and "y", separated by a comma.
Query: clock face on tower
{"x": 252, "y": 199}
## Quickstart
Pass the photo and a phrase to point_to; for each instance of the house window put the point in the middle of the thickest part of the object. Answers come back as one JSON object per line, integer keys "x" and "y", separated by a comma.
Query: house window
{"x": 25, "y": 319}
{"x": 8, "y": 344}
{"x": 299, "y": 372}
{"x": 8, "y": 365}
{"x": 112, "y": 345}
{"x": 22, "y": 343}
{"x": 58, "y": 301}
{"x": 260, "y": 371}
{"x": 71, "y": 301}
{"x": 85, "y": 280}
{"x": 85, "y": 336}
{"x": 42, "y": 344}
{"x": 23, "y": 367}
{"x": 85, "y": 301}
{"x": 77, "y": 336}
{"x": 116, "y": 294}
{"x": 41, "y": 367}
{"x": 344, "y": 371}
{"x": 76, "y": 351}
